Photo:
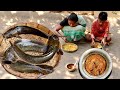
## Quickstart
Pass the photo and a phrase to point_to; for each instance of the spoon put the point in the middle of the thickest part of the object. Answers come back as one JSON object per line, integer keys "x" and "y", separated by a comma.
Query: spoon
{"x": 75, "y": 64}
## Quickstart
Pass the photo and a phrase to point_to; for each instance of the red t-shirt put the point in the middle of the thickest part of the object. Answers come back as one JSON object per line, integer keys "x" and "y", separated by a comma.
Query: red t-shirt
{"x": 100, "y": 30}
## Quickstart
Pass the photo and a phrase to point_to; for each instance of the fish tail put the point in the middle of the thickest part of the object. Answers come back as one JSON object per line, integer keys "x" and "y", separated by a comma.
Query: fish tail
{"x": 40, "y": 76}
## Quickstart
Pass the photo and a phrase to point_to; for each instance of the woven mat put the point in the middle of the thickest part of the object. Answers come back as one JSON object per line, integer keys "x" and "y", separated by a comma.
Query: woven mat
{"x": 53, "y": 62}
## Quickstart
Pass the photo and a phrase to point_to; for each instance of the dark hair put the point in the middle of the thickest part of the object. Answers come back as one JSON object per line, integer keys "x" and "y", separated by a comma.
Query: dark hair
{"x": 73, "y": 17}
{"x": 103, "y": 16}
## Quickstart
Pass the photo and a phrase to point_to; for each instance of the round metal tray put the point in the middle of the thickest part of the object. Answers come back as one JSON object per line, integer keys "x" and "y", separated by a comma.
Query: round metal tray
{"x": 69, "y": 47}
{"x": 82, "y": 60}
{"x": 53, "y": 62}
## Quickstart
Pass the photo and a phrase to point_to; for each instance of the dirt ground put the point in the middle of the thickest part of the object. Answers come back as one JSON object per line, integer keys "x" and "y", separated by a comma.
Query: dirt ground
{"x": 50, "y": 19}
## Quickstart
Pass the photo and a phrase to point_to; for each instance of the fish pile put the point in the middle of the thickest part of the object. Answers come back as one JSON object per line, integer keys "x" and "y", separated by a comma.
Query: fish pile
{"x": 17, "y": 58}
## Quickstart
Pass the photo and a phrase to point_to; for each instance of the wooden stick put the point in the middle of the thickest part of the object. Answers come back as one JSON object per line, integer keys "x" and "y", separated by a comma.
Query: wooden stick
{"x": 62, "y": 37}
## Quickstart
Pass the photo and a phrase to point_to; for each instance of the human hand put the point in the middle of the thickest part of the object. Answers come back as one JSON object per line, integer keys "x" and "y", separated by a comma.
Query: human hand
{"x": 93, "y": 43}
{"x": 103, "y": 41}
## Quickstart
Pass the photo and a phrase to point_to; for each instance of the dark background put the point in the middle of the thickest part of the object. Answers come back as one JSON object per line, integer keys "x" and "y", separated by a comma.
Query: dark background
{"x": 53, "y": 5}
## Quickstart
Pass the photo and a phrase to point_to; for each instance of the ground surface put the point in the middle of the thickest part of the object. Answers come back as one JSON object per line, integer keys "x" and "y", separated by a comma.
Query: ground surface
{"x": 50, "y": 19}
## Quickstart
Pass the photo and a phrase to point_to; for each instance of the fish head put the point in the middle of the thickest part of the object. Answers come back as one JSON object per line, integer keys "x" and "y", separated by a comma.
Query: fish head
{"x": 53, "y": 40}
{"x": 7, "y": 35}
{"x": 12, "y": 32}
{"x": 54, "y": 37}
{"x": 9, "y": 56}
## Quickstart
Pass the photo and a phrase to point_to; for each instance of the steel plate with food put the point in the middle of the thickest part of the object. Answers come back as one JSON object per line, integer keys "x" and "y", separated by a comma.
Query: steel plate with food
{"x": 95, "y": 64}
{"x": 97, "y": 45}
{"x": 70, "y": 47}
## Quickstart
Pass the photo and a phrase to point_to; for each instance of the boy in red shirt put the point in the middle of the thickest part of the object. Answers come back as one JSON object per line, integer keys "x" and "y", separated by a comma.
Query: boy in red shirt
{"x": 100, "y": 29}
